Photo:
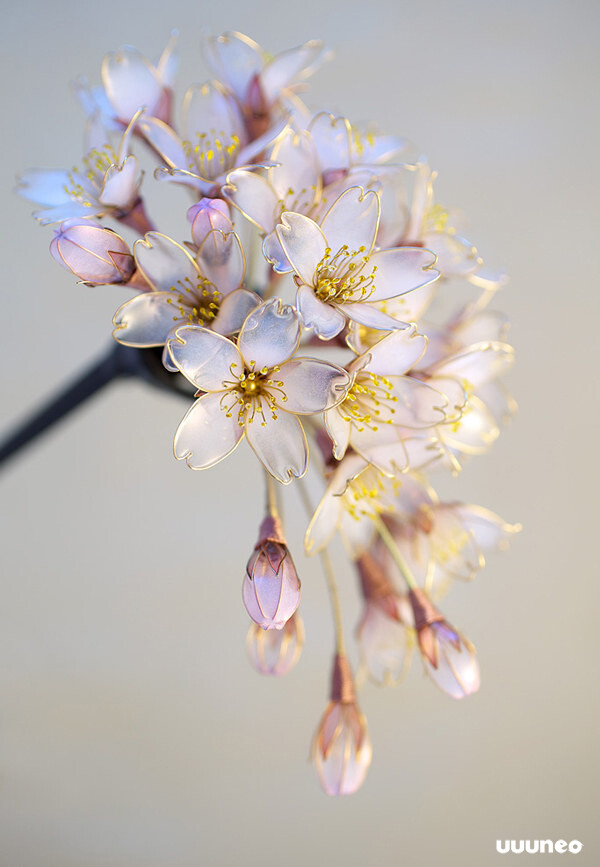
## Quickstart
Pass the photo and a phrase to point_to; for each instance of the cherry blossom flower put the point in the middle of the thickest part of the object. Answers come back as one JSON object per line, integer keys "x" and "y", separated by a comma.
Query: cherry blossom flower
{"x": 92, "y": 252}
{"x": 271, "y": 588}
{"x": 276, "y": 651}
{"x": 255, "y": 388}
{"x": 205, "y": 290}
{"x": 338, "y": 272}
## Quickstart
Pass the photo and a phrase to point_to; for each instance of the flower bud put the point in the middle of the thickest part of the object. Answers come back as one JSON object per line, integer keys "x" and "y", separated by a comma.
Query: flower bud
{"x": 341, "y": 747}
{"x": 93, "y": 253}
{"x": 271, "y": 588}
{"x": 206, "y": 215}
{"x": 448, "y": 657}
{"x": 385, "y": 643}
{"x": 276, "y": 651}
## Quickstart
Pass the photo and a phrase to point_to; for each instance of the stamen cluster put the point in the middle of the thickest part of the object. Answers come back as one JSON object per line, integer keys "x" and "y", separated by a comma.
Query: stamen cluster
{"x": 353, "y": 249}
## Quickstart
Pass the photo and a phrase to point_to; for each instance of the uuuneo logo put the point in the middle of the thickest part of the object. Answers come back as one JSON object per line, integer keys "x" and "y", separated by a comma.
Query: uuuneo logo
{"x": 533, "y": 847}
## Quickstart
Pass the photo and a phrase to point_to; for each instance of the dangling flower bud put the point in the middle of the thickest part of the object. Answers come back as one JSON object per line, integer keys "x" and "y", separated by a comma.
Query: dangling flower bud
{"x": 449, "y": 658}
{"x": 276, "y": 651}
{"x": 271, "y": 588}
{"x": 341, "y": 747}
{"x": 206, "y": 215}
{"x": 92, "y": 252}
{"x": 385, "y": 642}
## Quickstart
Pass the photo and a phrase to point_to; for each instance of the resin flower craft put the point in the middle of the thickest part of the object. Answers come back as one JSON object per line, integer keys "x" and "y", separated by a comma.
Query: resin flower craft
{"x": 300, "y": 314}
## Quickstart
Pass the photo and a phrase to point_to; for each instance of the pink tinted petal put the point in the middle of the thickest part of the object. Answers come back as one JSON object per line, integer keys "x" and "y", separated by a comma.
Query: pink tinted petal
{"x": 401, "y": 270}
{"x": 385, "y": 646}
{"x": 303, "y": 243}
{"x": 286, "y": 67}
{"x": 270, "y": 334}
{"x": 205, "y": 358}
{"x": 279, "y": 443}
{"x": 457, "y": 673}
{"x": 397, "y": 353}
{"x": 165, "y": 264}
{"x": 254, "y": 197}
{"x": 165, "y": 141}
{"x": 130, "y": 82}
{"x": 310, "y": 385}
{"x": 234, "y": 309}
{"x": 371, "y": 316}
{"x": 146, "y": 319}
{"x": 235, "y": 59}
{"x": 205, "y": 435}
{"x": 221, "y": 260}
{"x": 352, "y": 220}
{"x": 325, "y": 320}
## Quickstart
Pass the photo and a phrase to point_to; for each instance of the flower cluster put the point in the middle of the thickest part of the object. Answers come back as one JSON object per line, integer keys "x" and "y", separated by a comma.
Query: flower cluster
{"x": 333, "y": 346}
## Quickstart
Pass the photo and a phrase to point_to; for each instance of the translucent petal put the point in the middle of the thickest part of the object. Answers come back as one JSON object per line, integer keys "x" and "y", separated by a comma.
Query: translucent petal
{"x": 415, "y": 403}
{"x": 235, "y": 59}
{"x": 339, "y": 431}
{"x": 397, "y": 353}
{"x": 457, "y": 673}
{"x": 275, "y": 255}
{"x": 456, "y": 256}
{"x": 165, "y": 141}
{"x": 279, "y": 443}
{"x": 221, "y": 259}
{"x": 352, "y": 220}
{"x": 310, "y": 386}
{"x": 401, "y": 270}
{"x": 488, "y": 325}
{"x": 297, "y": 179}
{"x": 120, "y": 188}
{"x": 370, "y": 316}
{"x": 286, "y": 67}
{"x": 385, "y": 645}
{"x": 474, "y": 432}
{"x": 66, "y": 211}
{"x": 165, "y": 264}
{"x": 270, "y": 335}
{"x": 130, "y": 82}
{"x": 454, "y": 394}
{"x": 208, "y": 109}
{"x": 331, "y": 136}
{"x": 324, "y": 319}
{"x": 44, "y": 186}
{"x": 205, "y": 435}
{"x": 452, "y": 545}
{"x": 479, "y": 364}
{"x": 146, "y": 319}
{"x": 249, "y": 153}
{"x": 323, "y": 524}
{"x": 207, "y": 359}
{"x": 234, "y": 309}
{"x": 303, "y": 243}
{"x": 254, "y": 197}
{"x": 382, "y": 449}
{"x": 489, "y": 530}
{"x": 499, "y": 402}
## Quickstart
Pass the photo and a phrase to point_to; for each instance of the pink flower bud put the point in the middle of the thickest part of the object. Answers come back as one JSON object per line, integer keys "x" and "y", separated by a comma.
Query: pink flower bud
{"x": 271, "y": 588}
{"x": 448, "y": 657}
{"x": 206, "y": 215}
{"x": 93, "y": 253}
{"x": 341, "y": 748}
{"x": 276, "y": 651}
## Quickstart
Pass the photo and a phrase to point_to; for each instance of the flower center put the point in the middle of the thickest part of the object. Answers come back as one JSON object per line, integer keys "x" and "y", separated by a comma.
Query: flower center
{"x": 197, "y": 302}
{"x": 368, "y": 402}
{"x": 338, "y": 278}
{"x": 213, "y": 154}
{"x": 365, "y": 495}
{"x": 253, "y": 394}
{"x": 95, "y": 165}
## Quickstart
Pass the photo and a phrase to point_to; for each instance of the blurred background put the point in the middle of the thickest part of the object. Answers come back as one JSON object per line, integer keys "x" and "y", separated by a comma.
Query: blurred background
{"x": 132, "y": 729}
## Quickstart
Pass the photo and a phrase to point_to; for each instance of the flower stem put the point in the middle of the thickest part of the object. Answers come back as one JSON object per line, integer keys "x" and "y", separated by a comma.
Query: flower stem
{"x": 271, "y": 495}
{"x": 334, "y": 596}
{"x": 398, "y": 558}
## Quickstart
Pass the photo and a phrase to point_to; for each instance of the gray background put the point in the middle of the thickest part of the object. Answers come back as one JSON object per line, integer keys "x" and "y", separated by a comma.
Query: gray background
{"x": 132, "y": 729}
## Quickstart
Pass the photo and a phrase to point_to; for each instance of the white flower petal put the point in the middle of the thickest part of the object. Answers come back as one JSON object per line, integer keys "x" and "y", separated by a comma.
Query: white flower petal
{"x": 297, "y": 179}
{"x": 146, "y": 319}
{"x": 401, "y": 270}
{"x": 384, "y": 449}
{"x": 279, "y": 443}
{"x": 478, "y": 364}
{"x": 270, "y": 334}
{"x": 234, "y": 309}
{"x": 207, "y": 109}
{"x": 303, "y": 243}
{"x": 165, "y": 264}
{"x": 397, "y": 353}
{"x": 120, "y": 187}
{"x": 488, "y": 529}
{"x": 205, "y": 358}
{"x": 164, "y": 140}
{"x": 68, "y": 210}
{"x": 44, "y": 186}
{"x": 286, "y": 67}
{"x": 310, "y": 386}
{"x": 339, "y": 431}
{"x": 352, "y": 220}
{"x": 130, "y": 82}
{"x": 417, "y": 405}
{"x": 254, "y": 197}
{"x": 331, "y": 136}
{"x": 371, "y": 316}
{"x": 323, "y": 524}
{"x": 235, "y": 60}
{"x": 275, "y": 254}
{"x": 324, "y": 319}
{"x": 205, "y": 435}
{"x": 474, "y": 432}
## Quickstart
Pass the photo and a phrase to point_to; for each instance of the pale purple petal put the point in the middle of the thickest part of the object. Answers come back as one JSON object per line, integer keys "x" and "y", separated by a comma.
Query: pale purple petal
{"x": 352, "y": 220}
{"x": 270, "y": 335}
{"x": 303, "y": 243}
{"x": 331, "y": 136}
{"x": 164, "y": 140}
{"x": 371, "y": 316}
{"x": 205, "y": 435}
{"x": 146, "y": 319}
{"x": 120, "y": 187}
{"x": 234, "y": 309}
{"x": 235, "y": 59}
{"x": 130, "y": 82}
{"x": 207, "y": 359}
{"x": 275, "y": 255}
{"x": 286, "y": 67}
{"x": 279, "y": 443}
{"x": 44, "y": 186}
{"x": 165, "y": 264}
{"x": 401, "y": 270}
{"x": 207, "y": 109}
{"x": 310, "y": 386}
{"x": 254, "y": 197}
{"x": 479, "y": 364}
{"x": 396, "y": 353}
{"x": 221, "y": 259}
{"x": 297, "y": 179}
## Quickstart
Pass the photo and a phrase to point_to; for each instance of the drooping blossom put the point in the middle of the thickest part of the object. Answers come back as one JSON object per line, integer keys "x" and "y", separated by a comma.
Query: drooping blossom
{"x": 276, "y": 651}
{"x": 256, "y": 388}
{"x": 92, "y": 252}
{"x": 271, "y": 587}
